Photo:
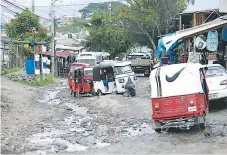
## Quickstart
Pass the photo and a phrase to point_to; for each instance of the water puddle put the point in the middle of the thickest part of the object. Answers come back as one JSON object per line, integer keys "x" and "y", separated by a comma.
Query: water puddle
{"x": 49, "y": 97}
{"x": 138, "y": 130}
{"x": 71, "y": 147}
{"x": 100, "y": 144}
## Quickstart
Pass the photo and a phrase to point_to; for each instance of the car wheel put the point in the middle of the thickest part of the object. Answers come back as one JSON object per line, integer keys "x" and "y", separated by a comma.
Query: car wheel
{"x": 133, "y": 93}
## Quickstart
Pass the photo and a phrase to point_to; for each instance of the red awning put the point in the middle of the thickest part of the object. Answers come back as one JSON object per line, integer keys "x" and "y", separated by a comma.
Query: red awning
{"x": 59, "y": 54}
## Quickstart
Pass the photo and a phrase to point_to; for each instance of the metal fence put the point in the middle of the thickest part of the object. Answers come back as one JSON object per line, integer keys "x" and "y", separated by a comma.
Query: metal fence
{"x": 11, "y": 60}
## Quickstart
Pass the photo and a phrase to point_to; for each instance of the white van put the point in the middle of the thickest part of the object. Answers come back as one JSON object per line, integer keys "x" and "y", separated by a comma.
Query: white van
{"x": 91, "y": 58}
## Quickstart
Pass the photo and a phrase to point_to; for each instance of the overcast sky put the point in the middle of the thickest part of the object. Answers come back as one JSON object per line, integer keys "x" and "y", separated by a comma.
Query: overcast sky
{"x": 58, "y": 2}
{"x": 42, "y": 7}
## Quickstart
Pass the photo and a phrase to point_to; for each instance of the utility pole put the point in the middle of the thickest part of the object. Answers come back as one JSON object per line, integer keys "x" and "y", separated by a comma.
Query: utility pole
{"x": 180, "y": 22}
{"x": 17, "y": 50}
{"x": 33, "y": 6}
{"x": 53, "y": 38}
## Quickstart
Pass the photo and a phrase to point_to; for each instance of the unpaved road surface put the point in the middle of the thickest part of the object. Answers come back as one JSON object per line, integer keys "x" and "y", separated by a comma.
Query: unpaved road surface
{"x": 49, "y": 120}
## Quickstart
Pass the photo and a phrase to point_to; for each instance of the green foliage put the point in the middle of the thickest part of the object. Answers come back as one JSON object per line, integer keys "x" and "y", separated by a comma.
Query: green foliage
{"x": 151, "y": 17}
{"x": 99, "y": 8}
{"x": 107, "y": 34}
{"x": 11, "y": 70}
{"x": 49, "y": 79}
{"x": 26, "y": 27}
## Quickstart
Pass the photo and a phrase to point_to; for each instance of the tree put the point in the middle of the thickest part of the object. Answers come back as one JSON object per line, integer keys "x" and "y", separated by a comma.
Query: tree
{"x": 151, "y": 17}
{"x": 88, "y": 11}
{"x": 108, "y": 35}
{"x": 26, "y": 27}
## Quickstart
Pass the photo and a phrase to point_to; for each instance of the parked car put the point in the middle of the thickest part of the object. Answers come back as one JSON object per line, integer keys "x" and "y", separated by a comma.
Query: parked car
{"x": 216, "y": 77}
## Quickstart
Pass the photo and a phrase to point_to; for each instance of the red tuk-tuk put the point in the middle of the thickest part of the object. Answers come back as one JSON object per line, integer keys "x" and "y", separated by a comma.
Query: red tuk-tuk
{"x": 82, "y": 80}
{"x": 73, "y": 67}
{"x": 179, "y": 96}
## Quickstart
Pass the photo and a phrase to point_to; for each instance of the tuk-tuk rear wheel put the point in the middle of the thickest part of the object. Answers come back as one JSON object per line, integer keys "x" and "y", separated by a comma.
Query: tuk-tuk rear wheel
{"x": 158, "y": 130}
{"x": 203, "y": 125}
{"x": 99, "y": 93}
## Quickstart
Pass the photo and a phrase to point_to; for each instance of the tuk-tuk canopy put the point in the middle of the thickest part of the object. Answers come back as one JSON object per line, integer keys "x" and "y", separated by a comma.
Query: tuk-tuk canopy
{"x": 176, "y": 80}
{"x": 80, "y": 64}
{"x": 105, "y": 64}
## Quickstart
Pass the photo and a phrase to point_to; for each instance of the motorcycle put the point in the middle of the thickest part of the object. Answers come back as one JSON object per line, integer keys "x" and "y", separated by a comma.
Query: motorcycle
{"x": 130, "y": 88}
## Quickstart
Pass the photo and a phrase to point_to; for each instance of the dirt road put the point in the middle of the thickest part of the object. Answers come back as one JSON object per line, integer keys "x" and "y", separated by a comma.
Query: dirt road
{"x": 50, "y": 120}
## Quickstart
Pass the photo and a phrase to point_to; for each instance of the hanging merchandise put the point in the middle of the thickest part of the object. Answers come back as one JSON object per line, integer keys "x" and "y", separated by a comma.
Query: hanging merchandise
{"x": 194, "y": 57}
{"x": 200, "y": 42}
{"x": 203, "y": 59}
{"x": 172, "y": 57}
{"x": 212, "y": 41}
{"x": 224, "y": 34}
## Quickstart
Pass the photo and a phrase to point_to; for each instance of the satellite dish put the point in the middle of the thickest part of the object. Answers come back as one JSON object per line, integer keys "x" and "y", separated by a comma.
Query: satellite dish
{"x": 200, "y": 42}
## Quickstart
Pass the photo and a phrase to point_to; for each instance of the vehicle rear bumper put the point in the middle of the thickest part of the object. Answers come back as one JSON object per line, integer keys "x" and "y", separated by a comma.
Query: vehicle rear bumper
{"x": 176, "y": 123}
{"x": 142, "y": 69}
{"x": 176, "y": 117}
{"x": 218, "y": 94}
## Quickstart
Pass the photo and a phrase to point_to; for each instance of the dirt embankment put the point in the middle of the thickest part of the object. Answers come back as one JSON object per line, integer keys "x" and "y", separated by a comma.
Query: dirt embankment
{"x": 21, "y": 116}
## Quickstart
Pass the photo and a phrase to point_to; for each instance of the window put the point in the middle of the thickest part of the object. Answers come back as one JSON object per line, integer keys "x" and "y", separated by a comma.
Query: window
{"x": 87, "y": 61}
{"x": 215, "y": 71}
{"x": 73, "y": 68}
{"x": 131, "y": 57}
{"x": 85, "y": 54}
{"x": 123, "y": 69}
{"x": 88, "y": 72}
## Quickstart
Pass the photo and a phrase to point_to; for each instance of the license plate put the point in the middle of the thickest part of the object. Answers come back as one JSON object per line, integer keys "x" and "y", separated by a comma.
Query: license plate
{"x": 192, "y": 109}
{"x": 213, "y": 96}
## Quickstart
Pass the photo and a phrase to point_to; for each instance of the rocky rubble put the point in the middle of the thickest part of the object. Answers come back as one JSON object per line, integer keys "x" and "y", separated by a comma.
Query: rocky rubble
{"x": 27, "y": 78}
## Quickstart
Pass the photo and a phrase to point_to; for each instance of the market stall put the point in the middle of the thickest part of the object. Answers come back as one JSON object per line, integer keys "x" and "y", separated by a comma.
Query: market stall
{"x": 196, "y": 44}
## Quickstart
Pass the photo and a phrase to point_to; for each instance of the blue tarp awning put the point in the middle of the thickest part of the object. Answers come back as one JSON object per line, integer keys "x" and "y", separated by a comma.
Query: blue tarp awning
{"x": 162, "y": 43}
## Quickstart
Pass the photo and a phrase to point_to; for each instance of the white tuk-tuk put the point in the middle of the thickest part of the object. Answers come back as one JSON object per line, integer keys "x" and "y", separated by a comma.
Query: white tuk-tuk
{"x": 179, "y": 96}
{"x": 112, "y": 77}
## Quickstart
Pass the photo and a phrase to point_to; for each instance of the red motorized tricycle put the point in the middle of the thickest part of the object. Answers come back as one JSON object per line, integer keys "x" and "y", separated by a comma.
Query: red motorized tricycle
{"x": 179, "y": 96}
{"x": 82, "y": 81}
{"x": 73, "y": 67}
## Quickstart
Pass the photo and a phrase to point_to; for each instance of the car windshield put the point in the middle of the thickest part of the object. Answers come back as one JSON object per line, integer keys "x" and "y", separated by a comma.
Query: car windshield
{"x": 123, "y": 69}
{"x": 215, "y": 71}
{"x": 88, "y": 72}
{"x": 132, "y": 57}
{"x": 87, "y": 61}
{"x": 73, "y": 68}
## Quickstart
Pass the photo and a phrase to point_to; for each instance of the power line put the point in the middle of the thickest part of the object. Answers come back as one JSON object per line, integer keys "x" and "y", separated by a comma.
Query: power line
{"x": 6, "y": 16}
{"x": 61, "y": 5}
{"x": 12, "y": 4}
{"x": 63, "y": 9}
{"x": 6, "y": 8}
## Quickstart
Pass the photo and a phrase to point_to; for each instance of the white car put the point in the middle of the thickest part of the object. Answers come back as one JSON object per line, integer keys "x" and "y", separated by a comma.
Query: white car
{"x": 216, "y": 77}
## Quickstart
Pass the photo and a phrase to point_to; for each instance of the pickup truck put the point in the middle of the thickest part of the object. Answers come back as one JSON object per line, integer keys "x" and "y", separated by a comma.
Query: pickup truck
{"x": 141, "y": 64}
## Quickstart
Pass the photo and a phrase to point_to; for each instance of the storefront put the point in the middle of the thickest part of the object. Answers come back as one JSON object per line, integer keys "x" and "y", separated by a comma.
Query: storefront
{"x": 197, "y": 44}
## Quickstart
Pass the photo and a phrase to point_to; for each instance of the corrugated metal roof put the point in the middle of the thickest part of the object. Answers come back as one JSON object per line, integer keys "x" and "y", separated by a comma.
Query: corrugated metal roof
{"x": 202, "y": 6}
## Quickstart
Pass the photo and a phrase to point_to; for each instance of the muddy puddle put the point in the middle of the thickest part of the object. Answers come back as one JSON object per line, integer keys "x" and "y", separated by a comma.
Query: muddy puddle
{"x": 79, "y": 130}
